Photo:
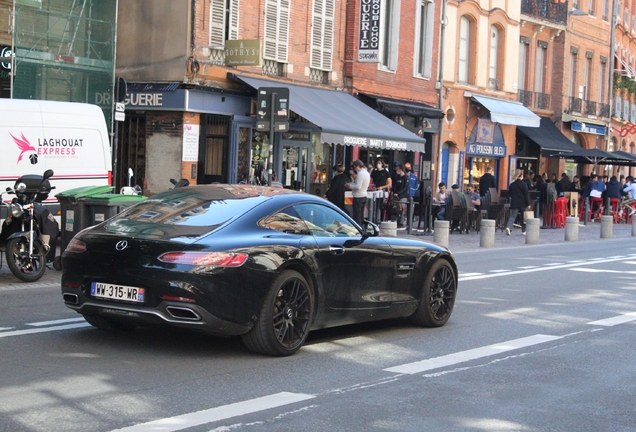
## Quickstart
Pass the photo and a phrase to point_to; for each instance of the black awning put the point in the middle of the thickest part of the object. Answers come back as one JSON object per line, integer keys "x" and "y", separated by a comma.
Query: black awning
{"x": 393, "y": 107}
{"x": 343, "y": 119}
{"x": 548, "y": 137}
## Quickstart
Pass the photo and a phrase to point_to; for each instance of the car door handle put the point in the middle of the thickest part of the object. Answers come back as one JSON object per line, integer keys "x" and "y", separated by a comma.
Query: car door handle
{"x": 336, "y": 250}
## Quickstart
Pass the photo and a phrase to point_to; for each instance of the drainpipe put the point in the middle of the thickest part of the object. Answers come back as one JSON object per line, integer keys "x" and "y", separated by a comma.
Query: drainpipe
{"x": 13, "y": 62}
{"x": 611, "y": 73}
{"x": 440, "y": 80}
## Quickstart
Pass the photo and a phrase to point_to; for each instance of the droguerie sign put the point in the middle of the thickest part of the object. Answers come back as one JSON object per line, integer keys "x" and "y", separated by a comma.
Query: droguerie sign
{"x": 375, "y": 142}
{"x": 369, "y": 43}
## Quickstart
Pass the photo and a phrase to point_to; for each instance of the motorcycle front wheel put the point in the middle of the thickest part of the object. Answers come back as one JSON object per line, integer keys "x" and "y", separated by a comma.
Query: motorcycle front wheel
{"x": 28, "y": 269}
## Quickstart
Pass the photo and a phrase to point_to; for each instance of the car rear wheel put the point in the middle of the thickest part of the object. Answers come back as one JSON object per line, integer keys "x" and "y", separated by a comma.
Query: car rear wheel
{"x": 438, "y": 296}
{"x": 107, "y": 324}
{"x": 285, "y": 317}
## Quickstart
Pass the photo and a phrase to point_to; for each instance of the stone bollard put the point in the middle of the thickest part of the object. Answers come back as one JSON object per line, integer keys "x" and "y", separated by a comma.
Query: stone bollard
{"x": 487, "y": 233}
{"x": 388, "y": 229}
{"x": 533, "y": 227}
{"x": 607, "y": 227}
{"x": 440, "y": 235}
{"x": 571, "y": 228}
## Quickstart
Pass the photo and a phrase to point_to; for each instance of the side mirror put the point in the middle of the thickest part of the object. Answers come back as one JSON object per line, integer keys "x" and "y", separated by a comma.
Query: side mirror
{"x": 370, "y": 229}
{"x": 48, "y": 174}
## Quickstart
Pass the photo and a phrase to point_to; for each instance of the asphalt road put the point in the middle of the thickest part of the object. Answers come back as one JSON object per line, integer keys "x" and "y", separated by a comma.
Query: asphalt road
{"x": 541, "y": 340}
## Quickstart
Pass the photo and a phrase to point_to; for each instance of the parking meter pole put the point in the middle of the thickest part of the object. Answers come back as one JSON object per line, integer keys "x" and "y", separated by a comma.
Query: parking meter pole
{"x": 271, "y": 139}
{"x": 586, "y": 214}
{"x": 409, "y": 222}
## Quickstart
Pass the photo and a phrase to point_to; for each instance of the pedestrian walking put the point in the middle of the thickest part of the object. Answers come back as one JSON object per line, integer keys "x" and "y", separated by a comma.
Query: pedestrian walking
{"x": 519, "y": 201}
{"x": 336, "y": 191}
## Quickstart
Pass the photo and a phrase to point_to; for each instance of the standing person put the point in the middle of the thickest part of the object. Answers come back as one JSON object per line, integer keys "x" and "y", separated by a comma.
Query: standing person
{"x": 382, "y": 181}
{"x": 519, "y": 201}
{"x": 487, "y": 181}
{"x": 412, "y": 180}
{"x": 336, "y": 191}
{"x": 359, "y": 190}
{"x": 542, "y": 187}
{"x": 400, "y": 191}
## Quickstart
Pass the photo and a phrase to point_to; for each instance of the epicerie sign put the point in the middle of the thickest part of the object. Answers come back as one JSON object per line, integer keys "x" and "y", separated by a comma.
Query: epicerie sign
{"x": 369, "y": 43}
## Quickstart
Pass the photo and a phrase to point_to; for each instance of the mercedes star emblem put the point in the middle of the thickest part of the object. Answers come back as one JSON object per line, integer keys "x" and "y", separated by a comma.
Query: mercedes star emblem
{"x": 121, "y": 245}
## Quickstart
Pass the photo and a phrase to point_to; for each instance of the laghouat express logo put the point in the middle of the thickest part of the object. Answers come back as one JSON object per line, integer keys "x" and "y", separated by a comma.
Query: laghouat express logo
{"x": 52, "y": 146}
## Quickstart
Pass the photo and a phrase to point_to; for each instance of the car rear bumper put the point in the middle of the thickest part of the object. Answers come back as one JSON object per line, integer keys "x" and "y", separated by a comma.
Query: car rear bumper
{"x": 174, "y": 314}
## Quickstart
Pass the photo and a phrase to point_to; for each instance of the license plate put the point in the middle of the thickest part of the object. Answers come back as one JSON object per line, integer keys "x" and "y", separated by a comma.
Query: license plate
{"x": 117, "y": 292}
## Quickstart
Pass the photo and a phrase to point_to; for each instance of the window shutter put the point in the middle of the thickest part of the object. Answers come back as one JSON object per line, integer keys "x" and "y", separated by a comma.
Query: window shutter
{"x": 276, "y": 33}
{"x": 217, "y": 23}
{"x": 234, "y": 20}
{"x": 322, "y": 34}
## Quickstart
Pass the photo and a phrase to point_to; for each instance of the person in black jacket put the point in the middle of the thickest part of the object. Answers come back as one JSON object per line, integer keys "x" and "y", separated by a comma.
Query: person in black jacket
{"x": 519, "y": 200}
{"x": 336, "y": 191}
{"x": 487, "y": 181}
{"x": 614, "y": 188}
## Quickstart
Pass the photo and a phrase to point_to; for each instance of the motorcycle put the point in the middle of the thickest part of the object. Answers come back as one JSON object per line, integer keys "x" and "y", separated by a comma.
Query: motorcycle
{"x": 29, "y": 228}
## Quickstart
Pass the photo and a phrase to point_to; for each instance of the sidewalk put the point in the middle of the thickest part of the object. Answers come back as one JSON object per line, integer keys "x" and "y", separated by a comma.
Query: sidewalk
{"x": 470, "y": 242}
{"x": 457, "y": 243}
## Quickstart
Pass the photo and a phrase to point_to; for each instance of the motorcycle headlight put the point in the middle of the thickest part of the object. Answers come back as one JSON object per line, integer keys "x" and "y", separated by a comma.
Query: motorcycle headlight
{"x": 20, "y": 187}
{"x": 16, "y": 210}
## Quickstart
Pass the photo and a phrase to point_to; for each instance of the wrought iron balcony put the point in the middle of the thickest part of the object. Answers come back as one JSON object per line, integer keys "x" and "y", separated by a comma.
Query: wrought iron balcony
{"x": 542, "y": 101}
{"x": 548, "y": 10}
{"x": 575, "y": 104}
{"x": 525, "y": 97}
{"x": 590, "y": 107}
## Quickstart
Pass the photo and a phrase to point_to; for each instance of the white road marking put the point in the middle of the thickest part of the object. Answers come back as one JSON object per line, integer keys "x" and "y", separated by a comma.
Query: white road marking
{"x": 469, "y": 274}
{"x": 595, "y": 259}
{"x": 553, "y": 264}
{"x": 55, "y": 322}
{"x": 219, "y": 413}
{"x": 576, "y": 261}
{"x": 473, "y": 354}
{"x": 532, "y": 270}
{"x": 618, "y": 256}
{"x": 528, "y": 267}
{"x": 620, "y": 319}
{"x": 591, "y": 270}
{"x": 5, "y": 328}
{"x": 43, "y": 330}
{"x": 499, "y": 271}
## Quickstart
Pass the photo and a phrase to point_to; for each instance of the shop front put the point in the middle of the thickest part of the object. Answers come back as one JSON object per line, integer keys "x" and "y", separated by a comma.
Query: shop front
{"x": 485, "y": 148}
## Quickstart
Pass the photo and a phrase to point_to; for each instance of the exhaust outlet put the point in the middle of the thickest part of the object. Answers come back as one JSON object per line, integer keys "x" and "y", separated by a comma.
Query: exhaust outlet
{"x": 70, "y": 298}
{"x": 183, "y": 313}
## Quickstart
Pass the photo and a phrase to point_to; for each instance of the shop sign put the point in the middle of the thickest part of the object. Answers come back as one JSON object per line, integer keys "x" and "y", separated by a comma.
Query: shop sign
{"x": 588, "y": 128}
{"x": 156, "y": 100}
{"x": 243, "y": 52}
{"x": 369, "y": 43}
{"x": 5, "y": 52}
{"x": 479, "y": 149}
{"x": 190, "y": 150}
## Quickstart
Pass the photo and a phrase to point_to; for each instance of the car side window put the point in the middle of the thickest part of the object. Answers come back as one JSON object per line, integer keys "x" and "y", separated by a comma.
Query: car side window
{"x": 325, "y": 222}
{"x": 287, "y": 221}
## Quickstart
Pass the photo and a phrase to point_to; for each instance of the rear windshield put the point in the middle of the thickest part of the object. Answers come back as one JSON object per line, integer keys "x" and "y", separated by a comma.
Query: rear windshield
{"x": 185, "y": 212}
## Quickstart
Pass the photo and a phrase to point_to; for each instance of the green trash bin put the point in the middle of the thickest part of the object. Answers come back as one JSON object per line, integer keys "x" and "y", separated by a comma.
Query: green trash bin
{"x": 102, "y": 207}
{"x": 75, "y": 216}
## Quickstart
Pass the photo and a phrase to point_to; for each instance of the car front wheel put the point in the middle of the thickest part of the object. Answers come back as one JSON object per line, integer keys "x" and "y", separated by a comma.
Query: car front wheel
{"x": 285, "y": 317}
{"x": 437, "y": 297}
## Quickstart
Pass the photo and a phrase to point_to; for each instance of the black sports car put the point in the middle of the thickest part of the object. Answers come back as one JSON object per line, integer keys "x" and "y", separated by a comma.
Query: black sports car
{"x": 268, "y": 264}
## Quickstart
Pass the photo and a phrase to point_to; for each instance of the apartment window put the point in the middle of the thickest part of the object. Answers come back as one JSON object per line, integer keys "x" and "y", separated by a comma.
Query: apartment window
{"x": 224, "y": 22}
{"x": 626, "y": 22}
{"x": 493, "y": 81}
{"x": 575, "y": 4}
{"x": 590, "y": 7}
{"x": 605, "y": 6}
{"x": 424, "y": 34}
{"x": 539, "y": 71}
{"x": 276, "y": 34}
{"x": 322, "y": 34}
{"x": 618, "y": 9}
{"x": 523, "y": 63}
{"x": 572, "y": 90}
{"x": 389, "y": 34}
{"x": 634, "y": 23}
{"x": 588, "y": 75}
{"x": 463, "y": 64}
{"x": 602, "y": 77}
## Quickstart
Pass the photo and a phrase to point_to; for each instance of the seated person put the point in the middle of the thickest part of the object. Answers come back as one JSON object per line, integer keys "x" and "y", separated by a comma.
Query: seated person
{"x": 629, "y": 204}
{"x": 474, "y": 196}
{"x": 439, "y": 203}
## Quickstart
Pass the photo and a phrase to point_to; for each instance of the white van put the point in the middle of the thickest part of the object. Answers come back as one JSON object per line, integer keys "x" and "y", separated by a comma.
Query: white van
{"x": 69, "y": 138}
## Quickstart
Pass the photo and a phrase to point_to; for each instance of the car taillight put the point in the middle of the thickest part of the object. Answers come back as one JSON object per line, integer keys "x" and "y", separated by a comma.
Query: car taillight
{"x": 177, "y": 298}
{"x": 76, "y": 246}
{"x": 218, "y": 259}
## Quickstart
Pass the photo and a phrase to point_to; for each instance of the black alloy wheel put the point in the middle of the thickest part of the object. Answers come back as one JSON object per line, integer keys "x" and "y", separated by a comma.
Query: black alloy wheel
{"x": 107, "y": 324}
{"x": 438, "y": 296}
{"x": 285, "y": 317}
{"x": 28, "y": 269}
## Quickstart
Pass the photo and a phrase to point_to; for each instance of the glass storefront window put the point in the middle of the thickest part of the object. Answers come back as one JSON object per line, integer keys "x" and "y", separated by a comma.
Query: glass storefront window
{"x": 320, "y": 165}
{"x": 475, "y": 167}
{"x": 259, "y": 155}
